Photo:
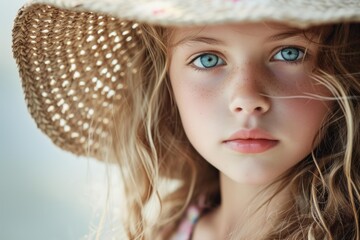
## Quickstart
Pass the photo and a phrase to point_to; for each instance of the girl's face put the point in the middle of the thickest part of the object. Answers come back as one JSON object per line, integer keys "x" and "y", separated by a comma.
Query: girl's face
{"x": 243, "y": 96}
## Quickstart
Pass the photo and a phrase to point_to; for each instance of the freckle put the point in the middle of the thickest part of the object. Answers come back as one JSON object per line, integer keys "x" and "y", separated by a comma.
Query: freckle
{"x": 278, "y": 89}
{"x": 203, "y": 93}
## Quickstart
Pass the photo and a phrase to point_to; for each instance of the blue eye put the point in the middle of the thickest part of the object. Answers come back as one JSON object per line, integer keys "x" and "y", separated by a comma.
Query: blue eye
{"x": 289, "y": 54}
{"x": 208, "y": 60}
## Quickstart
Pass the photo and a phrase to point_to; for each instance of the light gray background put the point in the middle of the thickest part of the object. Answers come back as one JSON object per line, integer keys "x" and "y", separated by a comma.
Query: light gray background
{"x": 45, "y": 193}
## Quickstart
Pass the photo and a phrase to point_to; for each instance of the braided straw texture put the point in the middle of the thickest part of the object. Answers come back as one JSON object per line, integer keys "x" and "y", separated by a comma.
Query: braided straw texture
{"x": 73, "y": 55}
{"x": 73, "y": 66}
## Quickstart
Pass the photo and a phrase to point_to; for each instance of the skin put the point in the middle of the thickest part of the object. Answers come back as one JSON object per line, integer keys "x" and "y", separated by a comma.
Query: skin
{"x": 252, "y": 86}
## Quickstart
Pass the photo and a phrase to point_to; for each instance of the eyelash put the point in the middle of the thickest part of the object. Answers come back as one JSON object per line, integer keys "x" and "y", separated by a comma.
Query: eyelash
{"x": 303, "y": 51}
{"x": 204, "y": 68}
{"x": 300, "y": 49}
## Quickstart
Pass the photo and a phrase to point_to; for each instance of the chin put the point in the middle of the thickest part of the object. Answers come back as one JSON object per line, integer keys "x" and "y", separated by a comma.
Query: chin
{"x": 252, "y": 178}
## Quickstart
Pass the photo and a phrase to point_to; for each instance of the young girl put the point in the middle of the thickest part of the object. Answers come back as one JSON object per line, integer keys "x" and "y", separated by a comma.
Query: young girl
{"x": 239, "y": 119}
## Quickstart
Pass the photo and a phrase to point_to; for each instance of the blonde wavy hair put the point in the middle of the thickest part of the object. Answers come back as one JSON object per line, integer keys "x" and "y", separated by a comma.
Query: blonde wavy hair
{"x": 151, "y": 148}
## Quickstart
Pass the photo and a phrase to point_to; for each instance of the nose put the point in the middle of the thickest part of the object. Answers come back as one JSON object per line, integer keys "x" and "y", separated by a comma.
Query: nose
{"x": 247, "y": 91}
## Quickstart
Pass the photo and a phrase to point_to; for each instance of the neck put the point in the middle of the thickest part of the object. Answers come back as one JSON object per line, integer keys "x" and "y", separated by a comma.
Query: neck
{"x": 245, "y": 207}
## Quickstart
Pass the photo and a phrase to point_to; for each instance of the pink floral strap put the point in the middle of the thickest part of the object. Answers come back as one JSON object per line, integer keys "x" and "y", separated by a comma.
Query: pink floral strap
{"x": 187, "y": 225}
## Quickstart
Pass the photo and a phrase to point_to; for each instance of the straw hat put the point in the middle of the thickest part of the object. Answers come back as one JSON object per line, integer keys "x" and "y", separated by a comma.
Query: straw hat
{"x": 73, "y": 55}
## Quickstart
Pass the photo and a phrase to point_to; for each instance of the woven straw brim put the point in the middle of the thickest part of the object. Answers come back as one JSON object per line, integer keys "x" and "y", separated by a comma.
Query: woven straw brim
{"x": 73, "y": 67}
{"x": 74, "y": 56}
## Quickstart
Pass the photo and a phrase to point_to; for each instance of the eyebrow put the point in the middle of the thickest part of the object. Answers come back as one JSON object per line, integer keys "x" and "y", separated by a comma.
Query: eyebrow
{"x": 287, "y": 34}
{"x": 213, "y": 41}
{"x": 198, "y": 39}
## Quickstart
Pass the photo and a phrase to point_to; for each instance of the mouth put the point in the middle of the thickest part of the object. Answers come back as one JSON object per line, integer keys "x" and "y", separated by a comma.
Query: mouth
{"x": 251, "y": 141}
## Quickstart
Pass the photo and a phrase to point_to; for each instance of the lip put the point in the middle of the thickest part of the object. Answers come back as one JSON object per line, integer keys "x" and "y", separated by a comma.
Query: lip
{"x": 251, "y": 141}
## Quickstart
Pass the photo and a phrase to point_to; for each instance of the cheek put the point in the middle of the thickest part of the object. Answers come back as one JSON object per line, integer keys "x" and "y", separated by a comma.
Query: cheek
{"x": 301, "y": 121}
{"x": 308, "y": 112}
{"x": 196, "y": 101}
{"x": 195, "y": 104}
{"x": 303, "y": 104}
{"x": 294, "y": 81}
{"x": 193, "y": 90}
